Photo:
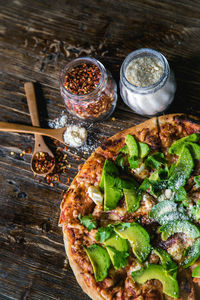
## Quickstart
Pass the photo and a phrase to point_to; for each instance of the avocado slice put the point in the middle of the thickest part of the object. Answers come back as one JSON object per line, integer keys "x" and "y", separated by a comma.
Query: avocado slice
{"x": 177, "y": 145}
{"x": 108, "y": 184}
{"x": 192, "y": 254}
{"x": 161, "y": 208}
{"x": 180, "y": 195}
{"x": 132, "y": 146}
{"x": 195, "y": 150}
{"x": 138, "y": 238}
{"x": 152, "y": 271}
{"x": 133, "y": 151}
{"x": 179, "y": 226}
{"x": 132, "y": 198}
{"x": 171, "y": 216}
{"x": 115, "y": 246}
{"x": 100, "y": 261}
{"x": 144, "y": 149}
{"x": 196, "y": 272}
{"x": 180, "y": 172}
{"x": 112, "y": 194}
{"x": 109, "y": 168}
{"x": 166, "y": 260}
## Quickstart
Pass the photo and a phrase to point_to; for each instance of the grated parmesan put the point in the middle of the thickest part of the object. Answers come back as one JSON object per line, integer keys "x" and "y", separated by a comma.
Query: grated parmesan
{"x": 144, "y": 71}
{"x": 75, "y": 136}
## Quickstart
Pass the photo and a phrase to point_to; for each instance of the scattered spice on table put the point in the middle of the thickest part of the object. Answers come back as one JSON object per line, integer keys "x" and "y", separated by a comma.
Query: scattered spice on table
{"x": 28, "y": 150}
{"x": 82, "y": 79}
{"x": 43, "y": 162}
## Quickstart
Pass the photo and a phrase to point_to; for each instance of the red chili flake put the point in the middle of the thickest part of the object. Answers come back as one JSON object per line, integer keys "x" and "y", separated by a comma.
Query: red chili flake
{"x": 82, "y": 79}
{"x": 95, "y": 108}
{"x": 60, "y": 167}
{"x": 43, "y": 162}
{"x": 65, "y": 148}
{"x": 28, "y": 150}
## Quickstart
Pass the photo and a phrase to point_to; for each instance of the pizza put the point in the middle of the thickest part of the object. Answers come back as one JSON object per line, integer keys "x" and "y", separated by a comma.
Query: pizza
{"x": 131, "y": 217}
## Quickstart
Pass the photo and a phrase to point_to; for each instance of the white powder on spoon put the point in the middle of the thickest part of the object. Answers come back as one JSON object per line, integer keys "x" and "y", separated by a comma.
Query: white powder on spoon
{"x": 75, "y": 136}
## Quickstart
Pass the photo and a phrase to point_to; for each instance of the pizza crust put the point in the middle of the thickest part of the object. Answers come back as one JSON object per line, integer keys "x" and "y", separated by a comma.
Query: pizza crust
{"x": 146, "y": 132}
{"x": 89, "y": 290}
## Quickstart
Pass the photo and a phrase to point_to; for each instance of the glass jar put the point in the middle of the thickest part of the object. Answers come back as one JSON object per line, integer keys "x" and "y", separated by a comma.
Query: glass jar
{"x": 96, "y": 105}
{"x": 152, "y": 99}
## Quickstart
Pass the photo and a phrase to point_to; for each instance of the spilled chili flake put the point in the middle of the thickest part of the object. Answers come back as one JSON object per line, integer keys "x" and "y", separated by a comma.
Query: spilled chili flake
{"x": 82, "y": 79}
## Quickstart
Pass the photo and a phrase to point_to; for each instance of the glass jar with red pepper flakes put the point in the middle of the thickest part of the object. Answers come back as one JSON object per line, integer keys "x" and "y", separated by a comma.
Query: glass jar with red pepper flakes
{"x": 88, "y": 89}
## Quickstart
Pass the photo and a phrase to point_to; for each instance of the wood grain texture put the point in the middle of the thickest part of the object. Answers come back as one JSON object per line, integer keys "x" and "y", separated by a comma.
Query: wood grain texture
{"x": 37, "y": 39}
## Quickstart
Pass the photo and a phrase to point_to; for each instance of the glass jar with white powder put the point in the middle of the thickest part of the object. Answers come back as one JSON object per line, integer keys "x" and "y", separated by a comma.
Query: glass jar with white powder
{"x": 147, "y": 84}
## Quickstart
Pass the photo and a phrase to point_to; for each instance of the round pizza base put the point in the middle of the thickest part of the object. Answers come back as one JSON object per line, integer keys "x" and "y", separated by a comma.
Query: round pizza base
{"x": 146, "y": 132}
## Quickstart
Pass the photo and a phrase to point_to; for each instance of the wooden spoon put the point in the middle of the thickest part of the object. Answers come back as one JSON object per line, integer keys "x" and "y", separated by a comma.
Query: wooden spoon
{"x": 56, "y": 134}
{"x": 40, "y": 145}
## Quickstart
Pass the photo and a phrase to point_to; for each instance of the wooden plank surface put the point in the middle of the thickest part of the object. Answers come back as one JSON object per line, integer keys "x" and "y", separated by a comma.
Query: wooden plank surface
{"x": 37, "y": 39}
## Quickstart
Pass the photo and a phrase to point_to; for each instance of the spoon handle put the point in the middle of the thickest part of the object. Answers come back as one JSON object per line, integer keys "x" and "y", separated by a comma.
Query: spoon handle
{"x": 32, "y": 103}
{"x": 12, "y": 127}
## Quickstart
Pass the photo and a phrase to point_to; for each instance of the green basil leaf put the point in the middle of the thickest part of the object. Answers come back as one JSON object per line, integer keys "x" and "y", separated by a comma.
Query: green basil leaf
{"x": 155, "y": 187}
{"x": 88, "y": 221}
{"x": 124, "y": 149}
{"x": 120, "y": 161}
{"x": 197, "y": 180}
{"x": 156, "y": 160}
{"x": 166, "y": 260}
{"x": 104, "y": 233}
{"x": 120, "y": 258}
{"x": 133, "y": 163}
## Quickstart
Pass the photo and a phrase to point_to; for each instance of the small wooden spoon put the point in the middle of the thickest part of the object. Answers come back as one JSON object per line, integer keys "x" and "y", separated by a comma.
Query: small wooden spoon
{"x": 40, "y": 145}
{"x": 56, "y": 134}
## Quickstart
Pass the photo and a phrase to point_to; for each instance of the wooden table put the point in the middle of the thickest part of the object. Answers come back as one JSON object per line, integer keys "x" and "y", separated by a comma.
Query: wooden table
{"x": 37, "y": 39}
